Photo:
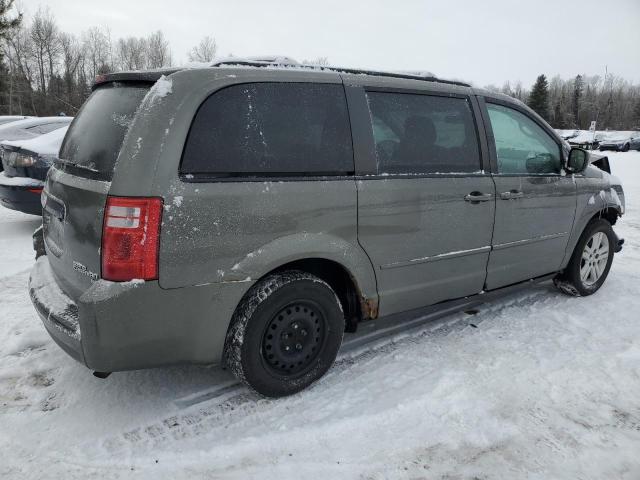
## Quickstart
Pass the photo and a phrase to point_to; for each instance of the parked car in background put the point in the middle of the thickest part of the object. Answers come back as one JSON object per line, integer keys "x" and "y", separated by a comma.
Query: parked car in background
{"x": 251, "y": 215}
{"x": 586, "y": 140}
{"x": 26, "y": 163}
{"x": 31, "y": 127}
{"x": 11, "y": 118}
{"x": 621, "y": 144}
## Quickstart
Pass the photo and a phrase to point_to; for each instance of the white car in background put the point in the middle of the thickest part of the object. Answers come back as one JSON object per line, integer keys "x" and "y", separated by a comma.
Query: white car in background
{"x": 31, "y": 127}
{"x": 4, "y": 119}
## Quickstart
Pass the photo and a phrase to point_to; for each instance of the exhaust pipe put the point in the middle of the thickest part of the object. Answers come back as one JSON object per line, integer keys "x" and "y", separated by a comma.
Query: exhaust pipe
{"x": 101, "y": 375}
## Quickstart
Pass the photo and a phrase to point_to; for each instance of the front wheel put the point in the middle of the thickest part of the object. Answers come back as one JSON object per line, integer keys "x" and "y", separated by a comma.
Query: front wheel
{"x": 625, "y": 148}
{"x": 285, "y": 333}
{"x": 591, "y": 260}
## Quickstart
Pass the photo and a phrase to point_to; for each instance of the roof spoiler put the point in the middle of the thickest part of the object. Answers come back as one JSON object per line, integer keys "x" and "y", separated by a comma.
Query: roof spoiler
{"x": 132, "y": 76}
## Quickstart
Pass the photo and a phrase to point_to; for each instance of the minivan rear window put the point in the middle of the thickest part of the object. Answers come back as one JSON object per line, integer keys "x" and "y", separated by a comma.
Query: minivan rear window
{"x": 96, "y": 134}
{"x": 271, "y": 129}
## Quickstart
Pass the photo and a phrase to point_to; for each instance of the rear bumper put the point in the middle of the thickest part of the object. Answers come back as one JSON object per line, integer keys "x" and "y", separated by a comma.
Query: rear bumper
{"x": 129, "y": 326}
{"x": 22, "y": 198}
{"x": 58, "y": 312}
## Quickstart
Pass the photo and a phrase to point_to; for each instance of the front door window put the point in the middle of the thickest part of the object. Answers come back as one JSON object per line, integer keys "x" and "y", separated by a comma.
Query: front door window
{"x": 522, "y": 146}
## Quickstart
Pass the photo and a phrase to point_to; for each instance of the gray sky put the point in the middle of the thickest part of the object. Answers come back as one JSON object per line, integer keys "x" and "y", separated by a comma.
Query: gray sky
{"x": 482, "y": 41}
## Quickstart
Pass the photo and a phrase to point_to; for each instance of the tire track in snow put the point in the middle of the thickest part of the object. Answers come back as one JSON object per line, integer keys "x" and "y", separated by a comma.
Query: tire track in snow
{"x": 237, "y": 403}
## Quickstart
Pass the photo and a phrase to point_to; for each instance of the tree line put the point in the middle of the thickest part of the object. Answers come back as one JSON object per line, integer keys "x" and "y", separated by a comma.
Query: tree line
{"x": 45, "y": 71}
{"x": 611, "y": 101}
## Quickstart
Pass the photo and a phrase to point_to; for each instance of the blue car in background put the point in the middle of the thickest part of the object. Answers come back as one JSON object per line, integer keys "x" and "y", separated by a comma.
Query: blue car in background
{"x": 26, "y": 163}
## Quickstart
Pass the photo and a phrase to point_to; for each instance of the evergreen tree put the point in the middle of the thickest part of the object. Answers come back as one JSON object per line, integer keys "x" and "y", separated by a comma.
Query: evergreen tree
{"x": 539, "y": 97}
{"x": 559, "y": 115}
{"x": 578, "y": 85}
{"x": 7, "y": 24}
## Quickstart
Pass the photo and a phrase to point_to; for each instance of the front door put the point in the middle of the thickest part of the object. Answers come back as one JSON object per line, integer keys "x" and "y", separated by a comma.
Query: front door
{"x": 535, "y": 201}
{"x": 426, "y": 217}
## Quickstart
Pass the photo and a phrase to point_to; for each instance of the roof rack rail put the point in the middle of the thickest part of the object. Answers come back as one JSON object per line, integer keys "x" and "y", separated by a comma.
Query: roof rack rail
{"x": 355, "y": 71}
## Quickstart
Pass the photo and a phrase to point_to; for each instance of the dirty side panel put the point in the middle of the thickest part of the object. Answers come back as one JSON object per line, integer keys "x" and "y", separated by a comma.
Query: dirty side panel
{"x": 236, "y": 230}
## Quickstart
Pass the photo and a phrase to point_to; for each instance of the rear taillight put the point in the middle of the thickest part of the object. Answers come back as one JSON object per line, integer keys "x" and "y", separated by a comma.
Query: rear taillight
{"x": 131, "y": 238}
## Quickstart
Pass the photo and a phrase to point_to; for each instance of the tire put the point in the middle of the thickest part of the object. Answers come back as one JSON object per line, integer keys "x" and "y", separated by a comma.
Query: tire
{"x": 625, "y": 148}
{"x": 285, "y": 333}
{"x": 587, "y": 269}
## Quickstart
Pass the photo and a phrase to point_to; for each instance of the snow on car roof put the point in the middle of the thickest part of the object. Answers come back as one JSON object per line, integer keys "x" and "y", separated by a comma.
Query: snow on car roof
{"x": 33, "y": 121}
{"x": 47, "y": 144}
{"x": 4, "y": 119}
{"x": 18, "y": 130}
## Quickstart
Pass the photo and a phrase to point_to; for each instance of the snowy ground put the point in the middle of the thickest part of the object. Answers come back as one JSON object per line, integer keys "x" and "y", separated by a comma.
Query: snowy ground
{"x": 546, "y": 386}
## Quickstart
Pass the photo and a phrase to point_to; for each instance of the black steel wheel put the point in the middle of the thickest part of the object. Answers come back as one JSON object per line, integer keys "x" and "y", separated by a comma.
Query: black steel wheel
{"x": 285, "y": 334}
{"x": 293, "y": 338}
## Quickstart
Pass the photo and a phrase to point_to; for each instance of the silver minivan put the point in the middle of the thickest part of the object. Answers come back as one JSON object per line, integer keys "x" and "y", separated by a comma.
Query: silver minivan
{"x": 249, "y": 215}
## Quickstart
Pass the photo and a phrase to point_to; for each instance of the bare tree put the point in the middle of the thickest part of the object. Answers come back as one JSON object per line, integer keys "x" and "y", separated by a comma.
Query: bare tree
{"x": 132, "y": 53}
{"x": 97, "y": 48}
{"x": 44, "y": 37}
{"x": 205, "y": 51}
{"x": 158, "y": 53}
{"x": 18, "y": 50}
{"x": 71, "y": 61}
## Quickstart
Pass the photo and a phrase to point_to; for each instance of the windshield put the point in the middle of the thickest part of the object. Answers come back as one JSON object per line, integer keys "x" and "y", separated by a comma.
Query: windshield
{"x": 96, "y": 135}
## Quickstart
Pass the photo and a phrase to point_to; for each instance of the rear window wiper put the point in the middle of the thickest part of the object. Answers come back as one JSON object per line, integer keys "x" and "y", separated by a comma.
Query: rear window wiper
{"x": 68, "y": 163}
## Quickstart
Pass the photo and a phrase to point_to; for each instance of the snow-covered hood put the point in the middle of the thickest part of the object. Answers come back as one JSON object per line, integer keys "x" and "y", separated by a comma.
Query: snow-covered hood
{"x": 46, "y": 145}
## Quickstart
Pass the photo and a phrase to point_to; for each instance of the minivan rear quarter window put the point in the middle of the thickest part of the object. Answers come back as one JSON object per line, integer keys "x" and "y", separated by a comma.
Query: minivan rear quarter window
{"x": 271, "y": 129}
{"x": 95, "y": 137}
{"x": 421, "y": 134}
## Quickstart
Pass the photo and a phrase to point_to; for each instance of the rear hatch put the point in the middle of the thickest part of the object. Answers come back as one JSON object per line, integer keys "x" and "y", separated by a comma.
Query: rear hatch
{"x": 77, "y": 186}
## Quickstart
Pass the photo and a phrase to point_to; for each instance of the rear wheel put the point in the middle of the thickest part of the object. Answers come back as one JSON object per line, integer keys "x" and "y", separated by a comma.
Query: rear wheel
{"x": 591, "y": 260}
{"x": 285, "y": 334}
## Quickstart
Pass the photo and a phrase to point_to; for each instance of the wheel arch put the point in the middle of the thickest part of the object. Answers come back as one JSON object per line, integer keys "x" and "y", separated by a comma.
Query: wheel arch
{"x": 334, "y": 259}
{"x": 610, "y": 212}
{"x": 355, "y": 305}
{"x": 346, "y": 287}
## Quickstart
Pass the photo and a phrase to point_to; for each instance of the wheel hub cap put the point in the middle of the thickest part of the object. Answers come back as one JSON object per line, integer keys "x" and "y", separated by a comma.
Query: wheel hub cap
{"x": 293, "y": 338}
{"x": 594, "y": 258}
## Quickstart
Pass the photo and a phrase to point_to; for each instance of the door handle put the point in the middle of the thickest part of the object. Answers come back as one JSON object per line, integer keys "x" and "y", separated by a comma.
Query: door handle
{"x": 511, "y": 195}
{"x": 475, "y": 197}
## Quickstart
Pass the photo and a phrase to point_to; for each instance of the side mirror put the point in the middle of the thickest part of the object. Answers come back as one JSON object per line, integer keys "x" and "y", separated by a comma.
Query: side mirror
{"x": 578, "y": 160}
